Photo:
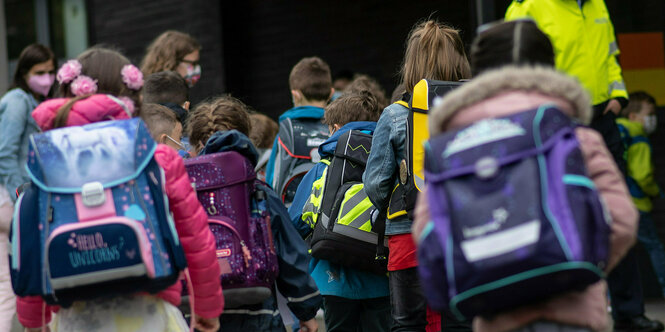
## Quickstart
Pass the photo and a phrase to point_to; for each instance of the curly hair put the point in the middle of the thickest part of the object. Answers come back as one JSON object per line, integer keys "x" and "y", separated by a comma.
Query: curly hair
{"x": 221, "y": 113}
{"x": 167, "y": 50}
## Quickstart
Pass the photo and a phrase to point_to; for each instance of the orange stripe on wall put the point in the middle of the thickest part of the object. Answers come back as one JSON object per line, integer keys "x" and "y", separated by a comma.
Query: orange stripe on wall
{"x": 641, "y": 50}
{"x": 649, "y": 80}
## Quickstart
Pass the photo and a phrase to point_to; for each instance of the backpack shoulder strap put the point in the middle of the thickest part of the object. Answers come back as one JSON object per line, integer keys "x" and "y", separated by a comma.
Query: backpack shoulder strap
{"x": 403, "y": 103}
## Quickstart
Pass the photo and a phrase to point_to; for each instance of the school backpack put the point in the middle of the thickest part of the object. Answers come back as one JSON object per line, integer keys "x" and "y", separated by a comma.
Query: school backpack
{"x": 426, "y": 94}
{"x": 297, "y": 152}
{"x": 514, "y": 216}
{"x": 341, "y": 212}
{"x": 95, "y": 221}
{"x": 238, "y": 217}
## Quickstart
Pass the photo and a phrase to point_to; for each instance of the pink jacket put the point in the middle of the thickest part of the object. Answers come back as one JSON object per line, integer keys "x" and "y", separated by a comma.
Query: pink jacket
{"x": 510, "y": 90}
{"x": 190, "y": 219}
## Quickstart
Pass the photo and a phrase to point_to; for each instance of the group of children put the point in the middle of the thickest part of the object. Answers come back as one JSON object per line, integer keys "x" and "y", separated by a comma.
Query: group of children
{"x": 352, "y": 299}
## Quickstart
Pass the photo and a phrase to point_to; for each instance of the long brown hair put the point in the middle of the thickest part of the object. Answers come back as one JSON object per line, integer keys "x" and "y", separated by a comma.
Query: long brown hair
{"x": 434, "y": 51}
{"x": 221, "y": 113}
{"x": 167, "y": 50}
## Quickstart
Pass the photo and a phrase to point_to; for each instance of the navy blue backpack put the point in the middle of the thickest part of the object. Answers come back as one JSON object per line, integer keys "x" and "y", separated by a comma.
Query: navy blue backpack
{"x": 95, "y": 220}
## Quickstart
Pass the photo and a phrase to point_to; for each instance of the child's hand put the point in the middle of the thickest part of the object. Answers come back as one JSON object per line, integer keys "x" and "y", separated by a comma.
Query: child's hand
{"x": 206, "y": 324}
{"x": 309, "y": 326}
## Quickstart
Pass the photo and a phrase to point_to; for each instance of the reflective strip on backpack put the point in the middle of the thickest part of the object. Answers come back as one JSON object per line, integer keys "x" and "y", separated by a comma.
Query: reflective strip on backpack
{"x": 310, "y": 212}
{"x": 356, "y": 209}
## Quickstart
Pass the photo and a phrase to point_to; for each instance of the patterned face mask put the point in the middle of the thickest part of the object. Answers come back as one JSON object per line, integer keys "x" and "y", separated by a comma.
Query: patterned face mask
{"x": 193, "y": 74}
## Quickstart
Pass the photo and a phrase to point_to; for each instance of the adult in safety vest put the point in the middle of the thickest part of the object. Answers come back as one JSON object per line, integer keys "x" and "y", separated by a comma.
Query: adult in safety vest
{"x": 585, "y": 47}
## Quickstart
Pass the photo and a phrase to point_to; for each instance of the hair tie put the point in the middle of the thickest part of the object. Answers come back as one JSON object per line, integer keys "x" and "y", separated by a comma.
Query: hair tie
{"x": 132, "y": 77}
{"x": 83, "y": 85}
{"x": 69, "y": 71}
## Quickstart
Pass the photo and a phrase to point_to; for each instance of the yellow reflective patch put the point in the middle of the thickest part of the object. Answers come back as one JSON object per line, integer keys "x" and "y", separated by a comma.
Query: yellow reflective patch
{"x": 356, "y": 208}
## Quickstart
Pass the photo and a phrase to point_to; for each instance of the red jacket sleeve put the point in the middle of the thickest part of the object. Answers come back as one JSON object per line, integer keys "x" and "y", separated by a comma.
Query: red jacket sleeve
{"x": 191, "y": 223}
{"x": 30, "y": 311}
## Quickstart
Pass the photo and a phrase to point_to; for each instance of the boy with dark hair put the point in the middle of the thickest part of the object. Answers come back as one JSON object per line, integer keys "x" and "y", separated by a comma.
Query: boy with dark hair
{"x": 168, "y": 88}
{"x": 163, "y": 125}
{"x": 311, "y": 88}
{"x": 353, "y": 300}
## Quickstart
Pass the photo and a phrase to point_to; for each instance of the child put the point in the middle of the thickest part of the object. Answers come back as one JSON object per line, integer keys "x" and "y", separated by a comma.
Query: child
{"x": 434, "y": 51}
{"x": 311, "y": 88}
{"x": 367, "y": 83}
{"x": 223, "y": 124}
{"x": 163, "y": 125}
{"x": 638, "y": 123}
{"x": 510, "y": 90}
{"x": 169, "y": 89}
{"x": 263, "y": 133}
{"x": 353, "y": 300}
{"x": 104, "y": 71}
{"x": 175, "y": 51}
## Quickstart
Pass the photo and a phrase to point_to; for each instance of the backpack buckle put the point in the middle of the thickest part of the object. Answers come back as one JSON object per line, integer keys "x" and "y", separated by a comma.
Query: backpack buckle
{"x": 92, "y": 194}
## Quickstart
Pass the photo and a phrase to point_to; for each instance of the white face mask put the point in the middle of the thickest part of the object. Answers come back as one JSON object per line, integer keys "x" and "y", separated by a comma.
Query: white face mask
{"x": 650, "y": 124}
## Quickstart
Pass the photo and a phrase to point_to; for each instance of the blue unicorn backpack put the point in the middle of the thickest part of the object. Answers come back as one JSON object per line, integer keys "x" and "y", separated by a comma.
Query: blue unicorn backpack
{"x": 95, "y": 220}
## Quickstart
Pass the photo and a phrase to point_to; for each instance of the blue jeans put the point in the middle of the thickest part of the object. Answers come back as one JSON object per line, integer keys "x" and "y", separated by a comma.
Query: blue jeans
{"x": 648, "y": 236}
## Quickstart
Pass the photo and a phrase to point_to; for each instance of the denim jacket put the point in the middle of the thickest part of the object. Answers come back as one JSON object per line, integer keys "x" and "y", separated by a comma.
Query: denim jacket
{"x": 16, "y": 126}
{"x": 380, "y": 176}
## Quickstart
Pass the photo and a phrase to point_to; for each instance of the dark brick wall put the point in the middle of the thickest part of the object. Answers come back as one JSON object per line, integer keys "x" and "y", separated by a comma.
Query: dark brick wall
{"x": 264, "y": 39}
{"x": 131, "y": 25}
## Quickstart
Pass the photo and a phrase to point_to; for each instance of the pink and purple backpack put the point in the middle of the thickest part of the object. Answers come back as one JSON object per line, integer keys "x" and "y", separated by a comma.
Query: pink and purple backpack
{"x": 514, "y": 216}
{"x": 238, "y": 217}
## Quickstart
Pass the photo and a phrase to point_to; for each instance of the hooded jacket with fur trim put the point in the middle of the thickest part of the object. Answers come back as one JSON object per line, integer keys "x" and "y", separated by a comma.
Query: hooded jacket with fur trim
{"x": 511, "y": 90}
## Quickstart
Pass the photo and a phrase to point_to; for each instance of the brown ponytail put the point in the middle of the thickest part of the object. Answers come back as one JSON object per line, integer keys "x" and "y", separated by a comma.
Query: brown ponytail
{"x": 434, "y": 51}
{"x": 63, "y": 112}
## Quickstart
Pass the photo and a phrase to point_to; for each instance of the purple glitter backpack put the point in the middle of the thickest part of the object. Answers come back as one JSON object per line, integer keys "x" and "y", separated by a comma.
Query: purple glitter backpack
{"x": 515, "y": 217}
{"x": 227, "y": 188}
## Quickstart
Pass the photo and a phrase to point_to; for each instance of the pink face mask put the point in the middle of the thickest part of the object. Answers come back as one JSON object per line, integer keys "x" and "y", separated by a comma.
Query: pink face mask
{"x": 41, "y": 84}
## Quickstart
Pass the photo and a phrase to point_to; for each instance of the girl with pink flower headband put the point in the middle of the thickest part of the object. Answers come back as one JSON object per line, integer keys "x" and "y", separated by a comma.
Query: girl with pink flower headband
{"x": 101, "y": 70}
{"x": 93, "y": 86}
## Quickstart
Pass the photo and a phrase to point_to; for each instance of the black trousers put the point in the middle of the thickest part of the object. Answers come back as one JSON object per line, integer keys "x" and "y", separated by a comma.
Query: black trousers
{"x": 348, "y": 315}
{"x": 409, "y": 311}
{"x": 626, "y": 288}
{"x": 606, "y": 125}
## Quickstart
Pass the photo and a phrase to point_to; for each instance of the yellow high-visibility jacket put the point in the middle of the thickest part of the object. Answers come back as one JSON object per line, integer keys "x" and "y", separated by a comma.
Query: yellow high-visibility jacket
{"x": 583, "y": 40}
{"x": 641, "y": 181}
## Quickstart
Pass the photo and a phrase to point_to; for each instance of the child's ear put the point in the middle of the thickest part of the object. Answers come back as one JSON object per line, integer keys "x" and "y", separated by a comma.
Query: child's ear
{"x": 332, "y": 92}
{"x": 162, "y": 139}
{"x": 296, "y": 96}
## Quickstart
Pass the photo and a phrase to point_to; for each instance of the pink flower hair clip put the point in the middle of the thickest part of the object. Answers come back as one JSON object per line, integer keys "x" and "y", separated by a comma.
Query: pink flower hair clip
{"x": 132, "y": 77}
{"x": 69, "y": 71}
{"x": 83, "y": 85}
